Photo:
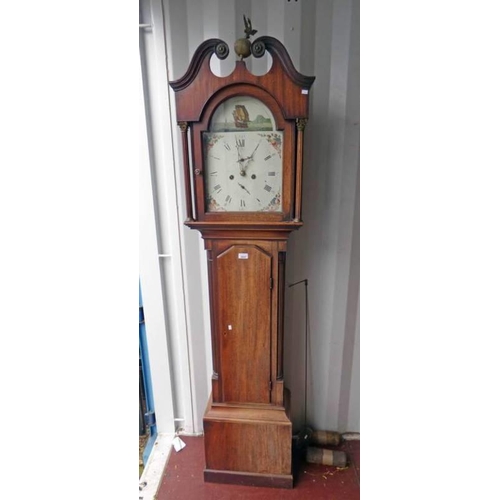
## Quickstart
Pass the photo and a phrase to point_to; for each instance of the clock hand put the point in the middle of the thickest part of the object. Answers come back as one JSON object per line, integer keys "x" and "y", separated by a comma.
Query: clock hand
{"x": 240, "y": 163}
{"x": 238, "y": 149}
{"x": 243, "y": 187}
{"x": 240, "y": 159}
{"x": 253, "y": 152}
{"x": 248, "y": 159}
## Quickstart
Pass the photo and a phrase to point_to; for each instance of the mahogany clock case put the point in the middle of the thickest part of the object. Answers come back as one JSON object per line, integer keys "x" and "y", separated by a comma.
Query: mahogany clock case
{"x": 247, "y": 427}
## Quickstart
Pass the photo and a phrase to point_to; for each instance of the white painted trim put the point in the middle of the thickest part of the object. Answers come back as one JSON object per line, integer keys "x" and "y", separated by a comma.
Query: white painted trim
{"x": 190, "y": 434}
{"x": 151, "y": 287}
{"x": 168, "y": 203}
{"x": 169, "y": 256}
{"x": 195, "y": 275}
{"x": 150, "y": 479}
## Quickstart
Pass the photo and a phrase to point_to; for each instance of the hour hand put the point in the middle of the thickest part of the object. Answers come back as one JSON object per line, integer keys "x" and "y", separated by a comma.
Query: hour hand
{"x": 243, "y": 187}
{"x": 240, "y": 159}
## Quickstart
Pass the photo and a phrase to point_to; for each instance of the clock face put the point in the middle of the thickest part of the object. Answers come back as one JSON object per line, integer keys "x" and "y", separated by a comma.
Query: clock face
{"x": 243, "y": 158}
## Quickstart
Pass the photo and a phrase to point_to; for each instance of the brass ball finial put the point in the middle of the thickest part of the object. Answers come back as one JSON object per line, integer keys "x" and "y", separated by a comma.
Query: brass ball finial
{"x": 242, "y": 46}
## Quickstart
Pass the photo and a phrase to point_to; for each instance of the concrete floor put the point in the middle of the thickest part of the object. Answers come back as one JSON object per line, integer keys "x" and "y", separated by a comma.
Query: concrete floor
{"x": 183, "y": 479}
{"x": 142, "y": 444}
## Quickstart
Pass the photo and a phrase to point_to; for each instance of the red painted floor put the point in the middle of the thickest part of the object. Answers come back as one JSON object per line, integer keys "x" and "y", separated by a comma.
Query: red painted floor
{"x": 183, "y": 479}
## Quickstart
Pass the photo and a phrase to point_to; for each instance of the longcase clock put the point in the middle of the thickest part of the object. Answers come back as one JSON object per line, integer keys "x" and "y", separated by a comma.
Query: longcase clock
{"x": 242, "y": 141}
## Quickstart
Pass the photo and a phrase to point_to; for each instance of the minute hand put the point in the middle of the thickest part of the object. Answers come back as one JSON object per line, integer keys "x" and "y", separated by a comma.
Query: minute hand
{"x": 253, "y": 152}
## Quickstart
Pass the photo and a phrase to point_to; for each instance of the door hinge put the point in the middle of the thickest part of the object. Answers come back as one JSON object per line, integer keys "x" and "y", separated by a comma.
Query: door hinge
{"x": 271, "y": 282}
{"x": 270, "y": 385}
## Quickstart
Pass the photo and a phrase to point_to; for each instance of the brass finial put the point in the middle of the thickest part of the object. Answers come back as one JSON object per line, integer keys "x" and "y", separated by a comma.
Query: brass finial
{"x": 242, "y": 46}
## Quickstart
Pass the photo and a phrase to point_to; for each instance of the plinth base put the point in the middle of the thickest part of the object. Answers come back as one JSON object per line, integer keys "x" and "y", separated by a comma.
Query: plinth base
{"x": 248, "y": 479}
{"x": 248, "y": 445}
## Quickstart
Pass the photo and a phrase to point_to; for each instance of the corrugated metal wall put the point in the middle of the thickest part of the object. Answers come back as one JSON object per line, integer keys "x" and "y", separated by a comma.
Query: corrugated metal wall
{"x": 322, "y": 37}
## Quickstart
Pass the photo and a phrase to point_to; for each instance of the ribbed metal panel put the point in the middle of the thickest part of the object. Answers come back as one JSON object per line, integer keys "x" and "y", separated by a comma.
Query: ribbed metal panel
{"x": 322, "y": 37}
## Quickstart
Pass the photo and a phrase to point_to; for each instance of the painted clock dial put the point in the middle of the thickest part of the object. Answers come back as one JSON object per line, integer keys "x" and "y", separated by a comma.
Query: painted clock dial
{"x": 243, "y": 158}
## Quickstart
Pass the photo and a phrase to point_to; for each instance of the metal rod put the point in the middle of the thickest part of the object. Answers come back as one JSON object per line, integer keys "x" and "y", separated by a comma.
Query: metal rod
{"x": 306, "y": 355}
{"x": 306, "y": 344}
{"x": 145, "y": 25}
{"x": 297, "y": 283}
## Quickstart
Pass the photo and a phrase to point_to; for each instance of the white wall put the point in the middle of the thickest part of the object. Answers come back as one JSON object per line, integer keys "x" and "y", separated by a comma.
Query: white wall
{"x": 322, "y": 38}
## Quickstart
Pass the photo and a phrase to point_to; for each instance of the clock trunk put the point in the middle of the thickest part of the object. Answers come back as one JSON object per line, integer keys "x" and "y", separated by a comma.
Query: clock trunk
{"x": 243, "y": 283}
{"x": 248, "y": 432}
